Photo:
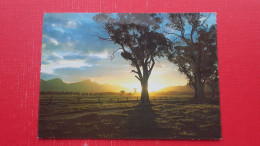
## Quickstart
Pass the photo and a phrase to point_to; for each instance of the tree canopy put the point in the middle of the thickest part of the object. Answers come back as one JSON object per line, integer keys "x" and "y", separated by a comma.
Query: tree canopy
{"x": 140, "y": 42}
{"x": 195, "y": 50}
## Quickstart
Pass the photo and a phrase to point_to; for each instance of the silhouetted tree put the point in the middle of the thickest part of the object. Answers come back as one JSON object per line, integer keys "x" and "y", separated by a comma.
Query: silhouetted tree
{"x": 195, "y": 50}
{"x": 139, "y": 42}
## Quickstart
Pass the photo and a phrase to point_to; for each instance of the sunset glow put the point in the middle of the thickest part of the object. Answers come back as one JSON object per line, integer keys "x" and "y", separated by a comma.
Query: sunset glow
{"x": 151, "y": 87}
{"x": 125, "y": 75}
{"x": 73, "y": 53}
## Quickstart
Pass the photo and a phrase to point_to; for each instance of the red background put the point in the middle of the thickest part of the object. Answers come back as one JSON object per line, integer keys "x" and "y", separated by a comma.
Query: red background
{"x": 239, "y": 56}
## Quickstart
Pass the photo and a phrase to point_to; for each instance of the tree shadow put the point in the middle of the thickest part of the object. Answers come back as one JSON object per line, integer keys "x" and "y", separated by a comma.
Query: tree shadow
{"x": 141, "y": 124}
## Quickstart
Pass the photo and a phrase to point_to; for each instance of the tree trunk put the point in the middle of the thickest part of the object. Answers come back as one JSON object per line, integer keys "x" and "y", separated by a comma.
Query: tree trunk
{"x": 213, "y": 91}
{"x": 199, "y": 89}
{"x": 145, "y": 93}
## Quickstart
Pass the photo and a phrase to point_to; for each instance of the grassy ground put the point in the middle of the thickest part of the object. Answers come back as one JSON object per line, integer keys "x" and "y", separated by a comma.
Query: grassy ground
{"x": 106, "y": 117}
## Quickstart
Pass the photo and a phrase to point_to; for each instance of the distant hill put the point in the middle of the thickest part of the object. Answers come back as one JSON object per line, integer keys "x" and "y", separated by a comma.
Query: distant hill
{"x": 85, "y": 86}
{"x": 177, "y": 89}
{"x": 183, "y": 89}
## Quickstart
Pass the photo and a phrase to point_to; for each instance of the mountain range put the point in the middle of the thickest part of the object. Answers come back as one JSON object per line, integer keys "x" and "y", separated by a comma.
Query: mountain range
{"x": 58, "y": 85}
{"x": 185, "y": 88}
{"x": 84, "y": 86}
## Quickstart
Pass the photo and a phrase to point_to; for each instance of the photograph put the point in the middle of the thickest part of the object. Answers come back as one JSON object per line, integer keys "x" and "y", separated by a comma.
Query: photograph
{"x": 129, "y": 76}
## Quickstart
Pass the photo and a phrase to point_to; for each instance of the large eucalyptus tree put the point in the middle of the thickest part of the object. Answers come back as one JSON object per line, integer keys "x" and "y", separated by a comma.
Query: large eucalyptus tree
{"x": 140, "y": 42}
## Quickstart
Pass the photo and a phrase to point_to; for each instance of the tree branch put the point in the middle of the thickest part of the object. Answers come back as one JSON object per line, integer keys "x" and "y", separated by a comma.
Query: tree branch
{"x": 138, "y": 78}
{"x": 172, "y": 33}
{"x": 182, "y": 24}
{"x": 101, "y": 38}
{"x": 135, "y": 62}
{"x": 134, "y": 71}
{"x": 191, "y": 35}
{"x": 204, "y": 20}
{"x": 150, "y": 70}
{"x": 137, "y": 67}
{"x": 112, "y": 56}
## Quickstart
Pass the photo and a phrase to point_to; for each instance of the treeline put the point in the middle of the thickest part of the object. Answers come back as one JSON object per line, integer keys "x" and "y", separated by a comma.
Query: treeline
{"x": 114, "y": 93}
{"x": 181, "y": 93}
{"x": 76, "y": 93}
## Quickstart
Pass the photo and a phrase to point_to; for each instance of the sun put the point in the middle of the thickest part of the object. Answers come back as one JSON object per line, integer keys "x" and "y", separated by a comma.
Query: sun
{"x": 155, "y": 87}
{"x": 151, "y": 86}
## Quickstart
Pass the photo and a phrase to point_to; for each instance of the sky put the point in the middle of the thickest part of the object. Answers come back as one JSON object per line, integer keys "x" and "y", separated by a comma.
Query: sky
{"x": 72, "y": 52}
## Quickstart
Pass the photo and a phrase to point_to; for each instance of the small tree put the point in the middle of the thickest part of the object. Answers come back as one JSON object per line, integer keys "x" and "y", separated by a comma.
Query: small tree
{"x": 195, "y": 51}
{"x": 139, "y": 42}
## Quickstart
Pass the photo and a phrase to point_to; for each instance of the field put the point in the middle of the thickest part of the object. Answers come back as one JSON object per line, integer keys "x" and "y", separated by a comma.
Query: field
{"x": 115, "y": 116}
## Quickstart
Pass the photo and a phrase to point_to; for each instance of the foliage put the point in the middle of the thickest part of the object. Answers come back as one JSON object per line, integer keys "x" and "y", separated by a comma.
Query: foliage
{"x": 139, "y": 41}
{"x": 213, "y": 81}
{"x": 195, "y": 50}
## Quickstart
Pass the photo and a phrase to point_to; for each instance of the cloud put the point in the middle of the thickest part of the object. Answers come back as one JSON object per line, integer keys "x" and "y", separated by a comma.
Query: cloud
{"x": 52, "y": 65}
{"x": 91, "y": 58}
{"x": 43, "y": 45}
{"x": 88, "y": 56}
{"x": 72, "y": 51}
{"x": 74, "y": 57}
{"x": 71, "y": 24}
{"x": 51, "y": 57}
{"x": 102, "y": 55}
{"x": 107, "y": 68}
{"x": 55, "y": 42}
{"x": 74, "y": 74}
{"x": 47, "y": 76}
{"x": 102, "y": 69}
{"x": 73, "y": 31}
{"x": 45, "y": 62}
{"x": 49, "y": 43}
{"x": 95, "y": 60}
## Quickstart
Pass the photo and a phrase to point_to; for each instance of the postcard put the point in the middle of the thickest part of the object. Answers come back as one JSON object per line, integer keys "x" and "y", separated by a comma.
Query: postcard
{"x": 129, "y": 76}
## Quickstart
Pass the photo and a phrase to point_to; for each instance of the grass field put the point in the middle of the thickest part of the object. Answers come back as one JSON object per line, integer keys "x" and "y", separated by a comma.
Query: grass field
{"x": 167, "y": 117}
